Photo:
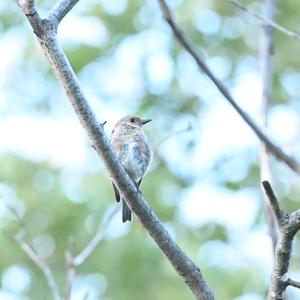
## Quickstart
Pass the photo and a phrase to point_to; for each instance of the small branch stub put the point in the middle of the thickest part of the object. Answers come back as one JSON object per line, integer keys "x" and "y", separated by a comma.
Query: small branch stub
{"x": 278, "y": 213}
{"x": 293, "y": 283}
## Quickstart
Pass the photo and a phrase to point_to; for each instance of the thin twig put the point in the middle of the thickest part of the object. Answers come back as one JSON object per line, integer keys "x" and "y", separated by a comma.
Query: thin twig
{"x": 278, "y": 213}
{"x": 266, "y": 21}
{"x": 71, "y": 269}
{"x": 172, "y": 134}
{"x": 73, "y": 262}
{"x": 86, "y": 295}
{"x": 96, "y": 240}
{"x": 266, "y": 53}
{"x": 42, "y": 264}
{"x": 19, "y": 219}
{"x": 190, "y": 48}
{"x": 29, "y": 250}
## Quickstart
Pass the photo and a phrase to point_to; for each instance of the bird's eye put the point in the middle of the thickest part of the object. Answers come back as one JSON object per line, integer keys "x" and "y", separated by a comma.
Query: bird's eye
{"x": 131, "y": 120}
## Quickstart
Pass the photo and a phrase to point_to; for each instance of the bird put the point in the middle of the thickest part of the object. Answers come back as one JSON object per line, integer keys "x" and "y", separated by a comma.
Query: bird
{"x": 131, "y": 146}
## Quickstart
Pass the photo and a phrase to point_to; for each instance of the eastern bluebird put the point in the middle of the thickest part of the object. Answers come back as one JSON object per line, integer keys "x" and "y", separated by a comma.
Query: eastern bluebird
{"x": 131, "y": 146}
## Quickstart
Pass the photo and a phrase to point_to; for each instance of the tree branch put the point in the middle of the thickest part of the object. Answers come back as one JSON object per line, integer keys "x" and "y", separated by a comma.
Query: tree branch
{"x": 29, "y": 250}
{"x": 95, "y": 241}
{"x": 73, "y": 262}
{"x": 273, "y": 202}
{"x": 86, "y": 296}
{"x": 266, "y": 53}
{"x": 33, "y": 17}
{"x": 293, "y": 283}
{"x": 71, "y": 269}
{"x": 60, "y": 10}
{"x": 266, "y": 20}
{"x": 190, "y": 48}
{"x": 184, "y": 266}
{"x": 42, "y": 264}
{"x": 281, "y": 263}
{"x": 28, "y": 6}
{"x": 288, "y": 224}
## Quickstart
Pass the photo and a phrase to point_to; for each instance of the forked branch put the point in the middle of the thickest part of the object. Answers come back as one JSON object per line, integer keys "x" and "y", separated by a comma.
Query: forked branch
{"x": 288, "y": 224}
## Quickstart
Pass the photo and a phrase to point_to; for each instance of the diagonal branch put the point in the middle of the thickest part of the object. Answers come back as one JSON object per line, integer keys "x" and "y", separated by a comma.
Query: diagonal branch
{"x": 28, "y": 6}
{"x": 190, "y": 48}
{"x": 29, "y": 250}
{"x": 188, "y": 128}
{"x": 60, "y": 10}
{"x": 42, "y": 264}
{"x": 183, "y": 264}
{"x": 95, "y": 241}
{"x": 265, "y": 20}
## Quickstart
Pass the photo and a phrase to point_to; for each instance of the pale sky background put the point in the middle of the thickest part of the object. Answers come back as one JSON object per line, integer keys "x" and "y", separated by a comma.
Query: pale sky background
{"x": 220, "y": 131}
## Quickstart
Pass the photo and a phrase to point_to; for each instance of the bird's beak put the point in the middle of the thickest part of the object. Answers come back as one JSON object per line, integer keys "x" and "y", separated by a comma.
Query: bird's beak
{"x": 146, "y": 121}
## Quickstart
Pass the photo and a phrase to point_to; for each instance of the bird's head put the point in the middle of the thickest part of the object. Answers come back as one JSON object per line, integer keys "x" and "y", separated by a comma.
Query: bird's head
{"x": 132, "y": 123}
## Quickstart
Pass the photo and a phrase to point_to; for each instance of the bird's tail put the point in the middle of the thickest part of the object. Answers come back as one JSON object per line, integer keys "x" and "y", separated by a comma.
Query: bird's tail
{"x": 126, "y": 212}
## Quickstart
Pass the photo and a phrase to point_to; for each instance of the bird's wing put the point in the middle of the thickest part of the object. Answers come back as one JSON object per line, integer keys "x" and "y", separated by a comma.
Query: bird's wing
{"x": 112, "y": 133}
{"x": 117, "y": 194}
{"x": 146, "y": 154}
